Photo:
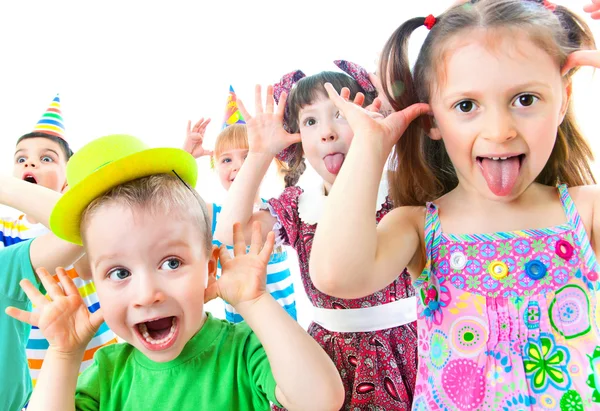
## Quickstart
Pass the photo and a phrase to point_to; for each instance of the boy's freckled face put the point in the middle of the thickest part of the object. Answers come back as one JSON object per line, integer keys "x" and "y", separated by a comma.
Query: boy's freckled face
{"x": 150, "y": 273}
{"x": 41, "y": 161}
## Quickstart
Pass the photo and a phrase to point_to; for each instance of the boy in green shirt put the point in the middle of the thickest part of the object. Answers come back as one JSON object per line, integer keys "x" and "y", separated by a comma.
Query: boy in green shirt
{"x": 148, "y": 238}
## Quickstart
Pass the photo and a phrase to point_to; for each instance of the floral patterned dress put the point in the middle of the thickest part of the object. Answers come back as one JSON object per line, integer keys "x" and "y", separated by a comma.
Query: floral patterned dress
{"x": 509, "y": 321}
{"x": 378, "y": 368}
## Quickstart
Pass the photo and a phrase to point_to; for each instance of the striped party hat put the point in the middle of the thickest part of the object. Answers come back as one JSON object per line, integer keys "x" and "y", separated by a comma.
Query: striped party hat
{"x": 232, "y": 112}
{"x": 52, "y": 121}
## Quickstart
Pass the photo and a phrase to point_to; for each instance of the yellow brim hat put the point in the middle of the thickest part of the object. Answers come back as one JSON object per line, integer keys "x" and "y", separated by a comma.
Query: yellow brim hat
{"x": 106, "y": 163}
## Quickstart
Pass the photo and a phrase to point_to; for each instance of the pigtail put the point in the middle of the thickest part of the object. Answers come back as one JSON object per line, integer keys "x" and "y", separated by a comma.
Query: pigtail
{"x": 570, "y": 160}
{"x": 412, "y": 182}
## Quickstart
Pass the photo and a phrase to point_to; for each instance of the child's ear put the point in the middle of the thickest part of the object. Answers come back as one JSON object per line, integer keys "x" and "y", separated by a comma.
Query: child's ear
{"x": 567, "y": 90}
{"x": 431, "y": 127}
{"x": 212, "y": 265}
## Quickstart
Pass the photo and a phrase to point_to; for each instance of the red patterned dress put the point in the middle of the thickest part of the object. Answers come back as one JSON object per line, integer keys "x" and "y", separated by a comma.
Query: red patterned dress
{"x": 378, "y": 368}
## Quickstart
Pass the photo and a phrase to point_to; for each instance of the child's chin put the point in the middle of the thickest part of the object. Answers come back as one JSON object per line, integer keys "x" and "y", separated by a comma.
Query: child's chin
{"x": 163, "y": 355}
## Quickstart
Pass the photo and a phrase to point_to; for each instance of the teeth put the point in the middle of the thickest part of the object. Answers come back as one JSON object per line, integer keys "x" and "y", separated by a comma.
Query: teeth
{"x": 498, "y": 158}
{"x": 144, "y": 331}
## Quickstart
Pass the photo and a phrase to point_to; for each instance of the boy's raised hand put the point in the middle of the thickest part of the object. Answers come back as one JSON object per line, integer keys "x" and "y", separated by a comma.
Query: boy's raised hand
{"x": 265, "y": 129}
{"x": 243, "y": 277}
{"x": 63, "y": 318}
{"x": 195, "y": 137}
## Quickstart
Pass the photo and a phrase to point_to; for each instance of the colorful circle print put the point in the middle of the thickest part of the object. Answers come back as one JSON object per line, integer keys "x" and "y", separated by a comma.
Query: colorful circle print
{"x": 569, "y": 312}
{"x": 468, "y": 336}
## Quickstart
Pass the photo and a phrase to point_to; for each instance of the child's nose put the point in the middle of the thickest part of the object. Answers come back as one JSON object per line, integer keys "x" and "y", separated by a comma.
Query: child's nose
{"x": 328, "y": 134}
{"x": 148, "y": 293}
{"x": 498, "y": 126}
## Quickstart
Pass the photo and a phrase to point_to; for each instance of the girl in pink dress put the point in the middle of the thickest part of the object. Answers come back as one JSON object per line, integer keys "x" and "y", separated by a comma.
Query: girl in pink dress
{"x": 503, "y": 256}
{"x": 370, "y": 337}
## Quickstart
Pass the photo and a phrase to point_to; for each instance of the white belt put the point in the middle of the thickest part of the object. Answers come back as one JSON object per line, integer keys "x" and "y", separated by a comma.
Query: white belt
{"x": 379, "y": 317}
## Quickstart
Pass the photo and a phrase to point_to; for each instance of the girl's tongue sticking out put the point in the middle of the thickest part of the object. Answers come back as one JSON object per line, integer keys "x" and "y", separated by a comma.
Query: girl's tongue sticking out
{"x": 500, "y": 173}
{"x": 333, "y": 162}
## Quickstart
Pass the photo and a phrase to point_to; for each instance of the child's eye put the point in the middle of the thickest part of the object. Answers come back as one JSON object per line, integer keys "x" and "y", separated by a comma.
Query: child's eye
{"x": 525, "y": 100}
{"x": 310, "y": 122}
{"x": 226, "y": 160}
{"x": 171, "y": 264}
{"x": 465, "y": 106}
{"x": 21, "y": 160}
{"x": 47, "y": 159}
{"x": 118, "y": 274}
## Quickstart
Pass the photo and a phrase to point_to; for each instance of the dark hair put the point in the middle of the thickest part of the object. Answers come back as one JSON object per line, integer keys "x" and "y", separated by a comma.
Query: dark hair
{"x": 426, "y": 171}
{"x": 304, "y": 93}
{"x": 64, "y": 146}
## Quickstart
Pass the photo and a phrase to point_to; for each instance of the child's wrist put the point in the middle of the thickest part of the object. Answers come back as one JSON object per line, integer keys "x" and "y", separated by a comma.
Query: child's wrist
{"x": 67, "y": 355}
{"x": 247, "y": 307}
{"x": 261, "y": 155}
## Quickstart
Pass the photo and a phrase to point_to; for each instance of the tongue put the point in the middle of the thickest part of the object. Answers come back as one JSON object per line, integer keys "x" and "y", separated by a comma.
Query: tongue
{"x": 159, "y": 328}
{"x": 501, "y": 175}
{"x": 333, "y": 162}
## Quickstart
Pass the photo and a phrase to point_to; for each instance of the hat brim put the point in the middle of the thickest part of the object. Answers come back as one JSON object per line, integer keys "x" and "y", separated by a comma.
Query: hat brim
{"x": 66, "y": 215}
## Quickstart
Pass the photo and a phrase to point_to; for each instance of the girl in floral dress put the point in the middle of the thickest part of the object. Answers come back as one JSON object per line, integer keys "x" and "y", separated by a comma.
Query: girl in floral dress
{"x": 371, "y": 337}
{"x": 503, "y": 255}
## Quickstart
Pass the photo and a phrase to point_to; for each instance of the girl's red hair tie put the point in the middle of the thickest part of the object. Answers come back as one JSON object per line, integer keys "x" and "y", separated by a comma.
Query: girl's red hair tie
{"x": 429, "y": 21}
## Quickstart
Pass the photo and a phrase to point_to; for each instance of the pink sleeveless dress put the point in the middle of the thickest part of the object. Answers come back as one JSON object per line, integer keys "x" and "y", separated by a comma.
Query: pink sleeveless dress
{"x": 509, "y": 321}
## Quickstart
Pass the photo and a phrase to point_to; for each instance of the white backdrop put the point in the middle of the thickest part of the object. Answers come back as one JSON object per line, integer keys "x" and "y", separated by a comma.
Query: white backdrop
{"x": 147, "y": 67}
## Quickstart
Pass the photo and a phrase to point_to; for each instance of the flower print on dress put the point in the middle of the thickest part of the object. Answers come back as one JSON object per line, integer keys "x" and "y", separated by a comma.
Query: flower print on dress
{"x": 464, "y": 383}
{"x": 545, "y": 364}
{"x": 518, "y": 402}
{"x": 593, "y": 380}
{"x": 571, "y": 401}
{"x": 570, "y": 312}
{"x": 440, "y": 349}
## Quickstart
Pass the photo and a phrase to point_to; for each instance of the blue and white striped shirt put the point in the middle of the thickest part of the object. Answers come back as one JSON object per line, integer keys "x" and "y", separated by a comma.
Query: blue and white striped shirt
{"x": 279, "y": 279}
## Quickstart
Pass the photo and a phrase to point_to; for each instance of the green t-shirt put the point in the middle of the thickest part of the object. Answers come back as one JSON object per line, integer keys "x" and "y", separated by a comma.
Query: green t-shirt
{"x": 223, "y": 367}
{"x": 15, "y": 382}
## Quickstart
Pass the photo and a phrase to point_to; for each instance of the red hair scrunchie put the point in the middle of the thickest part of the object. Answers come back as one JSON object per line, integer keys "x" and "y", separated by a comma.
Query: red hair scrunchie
{"x": 429, "y": 21}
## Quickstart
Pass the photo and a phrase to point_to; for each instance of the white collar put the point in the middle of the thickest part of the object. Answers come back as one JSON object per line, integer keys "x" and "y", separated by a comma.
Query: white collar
{"x": 312, "y": 199}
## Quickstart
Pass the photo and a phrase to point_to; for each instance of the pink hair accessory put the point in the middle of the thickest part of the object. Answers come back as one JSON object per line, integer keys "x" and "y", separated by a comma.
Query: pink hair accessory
{"x": 286, "y": 83}
{"x": 550, "y": 6}
{"x": 357, "y": 73}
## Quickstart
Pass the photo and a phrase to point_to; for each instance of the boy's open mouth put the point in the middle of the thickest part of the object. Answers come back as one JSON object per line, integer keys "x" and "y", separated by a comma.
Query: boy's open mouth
{"x": 158, "y": 334}
{"x": 30, "y": 178}
{"x": 501, "y": 173}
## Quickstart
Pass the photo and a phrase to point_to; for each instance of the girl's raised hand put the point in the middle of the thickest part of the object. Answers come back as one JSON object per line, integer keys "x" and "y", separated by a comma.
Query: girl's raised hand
{"x": 582, "y": 58}
{"x": 243, "y": 277}
{"x": 265, "y": 129}
{"x": 368, "y": 123}
{"x": 63, "y": 318}
{"x": 195, "y": 137}
{"x": 593, "y": 8}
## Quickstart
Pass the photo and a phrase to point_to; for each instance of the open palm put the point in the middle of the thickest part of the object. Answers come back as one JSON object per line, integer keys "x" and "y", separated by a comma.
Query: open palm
{"x": 195, "y": 138}
{"x": 243, "y": 277}
{"x": 265, "y": 129}
{"x": 64, "y": 319}
{"x": 384, "y": 131}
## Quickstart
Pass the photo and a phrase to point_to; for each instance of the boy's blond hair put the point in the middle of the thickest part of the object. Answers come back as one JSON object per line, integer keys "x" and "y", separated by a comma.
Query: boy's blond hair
{"x": 162, "y": 195}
